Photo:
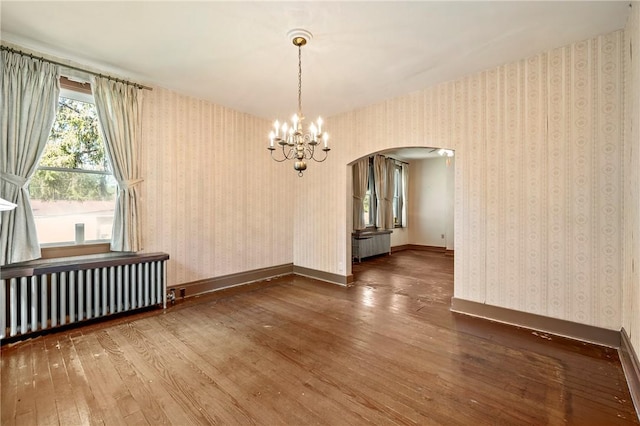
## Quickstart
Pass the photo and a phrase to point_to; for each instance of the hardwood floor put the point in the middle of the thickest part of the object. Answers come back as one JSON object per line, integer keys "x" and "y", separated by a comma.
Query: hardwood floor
{"x": 298, "y": 351}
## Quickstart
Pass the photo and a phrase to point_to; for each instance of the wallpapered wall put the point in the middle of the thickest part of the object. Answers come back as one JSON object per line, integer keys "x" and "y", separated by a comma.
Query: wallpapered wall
{"x": 538, "y": 183}
{"x": 631, "y": 289}
{"x": 212, "y": 197}
{"x": 538, "y": 203}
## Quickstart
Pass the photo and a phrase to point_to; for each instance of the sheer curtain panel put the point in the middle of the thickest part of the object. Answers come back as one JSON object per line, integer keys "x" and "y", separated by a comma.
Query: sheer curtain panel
{"x": 118, "y": 107}
{"x": 29, "y": 97}
{"x": 360, "y": 181}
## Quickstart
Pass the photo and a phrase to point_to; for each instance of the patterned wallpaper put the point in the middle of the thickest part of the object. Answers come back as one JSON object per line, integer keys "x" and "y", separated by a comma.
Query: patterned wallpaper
{"x": 538, "y": 181}
{"x": 631, "y": 289}
{"x": 538, "y": 203}
{"x": 212, "y": 197}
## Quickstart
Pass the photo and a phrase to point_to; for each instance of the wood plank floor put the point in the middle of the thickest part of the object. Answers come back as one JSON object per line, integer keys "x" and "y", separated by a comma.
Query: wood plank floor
{"x": 297, "y": 351}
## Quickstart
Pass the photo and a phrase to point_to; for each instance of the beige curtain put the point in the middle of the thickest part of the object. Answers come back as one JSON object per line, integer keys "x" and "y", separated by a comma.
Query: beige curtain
{"x": 29, "y": 97}
{"x": 360, "y": 181}
{"x": 118, "y": 106}
{"x": 405, "y": 195}
{"x": 380, "y": 183}
{"x": 390, "y": 167}
{"x": 384, "y": 169}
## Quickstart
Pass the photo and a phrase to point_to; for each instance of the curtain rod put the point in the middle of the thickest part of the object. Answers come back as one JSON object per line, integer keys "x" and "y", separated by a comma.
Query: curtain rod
{"x": 19, "y": 52}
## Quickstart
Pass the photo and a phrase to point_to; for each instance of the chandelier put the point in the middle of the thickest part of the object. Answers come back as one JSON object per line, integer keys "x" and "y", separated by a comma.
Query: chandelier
{"x": 295, "y": 144}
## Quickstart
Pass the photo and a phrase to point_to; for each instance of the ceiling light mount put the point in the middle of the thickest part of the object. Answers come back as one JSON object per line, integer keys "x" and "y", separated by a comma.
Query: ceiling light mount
{"x": 299, "y": 37}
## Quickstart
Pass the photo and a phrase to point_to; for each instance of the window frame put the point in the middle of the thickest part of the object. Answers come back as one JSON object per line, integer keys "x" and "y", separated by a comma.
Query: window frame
{"x": 78, "y": 91}
{"x": 398, "y": 197}
{"x": 398, "y": 194}
{"x": 373, "y": 201}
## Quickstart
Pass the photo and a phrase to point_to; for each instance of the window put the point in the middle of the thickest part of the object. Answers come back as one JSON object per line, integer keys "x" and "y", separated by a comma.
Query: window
{"x": 369, "y": 200}
{"x": 398, "y": 199}
{"x": 73, "y": 190}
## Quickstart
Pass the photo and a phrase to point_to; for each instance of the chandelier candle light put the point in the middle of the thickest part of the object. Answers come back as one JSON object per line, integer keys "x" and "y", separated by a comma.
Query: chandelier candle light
{"x": 297, "y": 145}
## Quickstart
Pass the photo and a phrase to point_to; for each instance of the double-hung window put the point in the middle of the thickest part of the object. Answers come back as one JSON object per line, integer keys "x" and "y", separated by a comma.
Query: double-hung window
{"x": 73, "y": 190}
{"x": 369, "y": 200}
{"x": 398, "y": 199}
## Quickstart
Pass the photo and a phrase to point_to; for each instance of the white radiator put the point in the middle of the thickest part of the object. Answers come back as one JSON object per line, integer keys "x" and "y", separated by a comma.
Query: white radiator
{"x": 40, "y": 295}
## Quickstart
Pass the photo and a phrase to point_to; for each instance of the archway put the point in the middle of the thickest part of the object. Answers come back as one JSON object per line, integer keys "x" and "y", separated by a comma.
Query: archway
{"x": 429, "y": 214}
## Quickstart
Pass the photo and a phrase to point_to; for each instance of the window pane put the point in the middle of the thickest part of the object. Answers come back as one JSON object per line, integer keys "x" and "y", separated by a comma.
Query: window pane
{"x": 75, "y": 141}
{"x": 395, "y": 210}
{"x": 370, "y": 218}
{"x": 397, "y": 197}
{"x": 60, "y": 200}
{"x": 73, "y": 191}
{"x": 366, "y": 202}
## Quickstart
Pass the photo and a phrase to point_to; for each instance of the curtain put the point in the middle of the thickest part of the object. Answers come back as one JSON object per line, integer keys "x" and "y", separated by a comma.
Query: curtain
{"x": 28, "y": 101}
{"x": 360, "y": 181}
{"x": 405, "y": 195}
{"x": 380, "y": 183}
{"x": 390, "y": 169}
{"x": 118, "y": 106}
{"x": 384, "y": 170}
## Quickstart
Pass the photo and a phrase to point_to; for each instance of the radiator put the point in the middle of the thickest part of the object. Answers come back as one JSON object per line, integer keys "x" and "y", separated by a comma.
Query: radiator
{"x": 370, "y": 243}
{"x": 42, "y": 295}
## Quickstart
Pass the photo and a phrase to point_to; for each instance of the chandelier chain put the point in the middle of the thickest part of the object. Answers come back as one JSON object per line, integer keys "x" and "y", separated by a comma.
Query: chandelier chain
{"x": 300, "y": 82}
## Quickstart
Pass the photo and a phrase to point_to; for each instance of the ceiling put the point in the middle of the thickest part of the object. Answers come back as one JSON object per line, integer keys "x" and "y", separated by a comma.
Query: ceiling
{"x": 237, "y": 53}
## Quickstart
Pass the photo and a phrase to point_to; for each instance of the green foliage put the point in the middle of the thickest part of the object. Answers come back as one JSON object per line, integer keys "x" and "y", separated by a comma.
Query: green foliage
{"x": 74, "y": 143}
{"x": 51, "y": 185}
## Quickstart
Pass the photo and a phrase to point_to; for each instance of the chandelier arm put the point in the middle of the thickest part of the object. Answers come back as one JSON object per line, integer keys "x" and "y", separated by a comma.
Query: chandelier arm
{"x": 284, "y": 154}
{"x": 308, "y": 152}
{"x": 289, "y": 155}
{"x": 326, "y": 154}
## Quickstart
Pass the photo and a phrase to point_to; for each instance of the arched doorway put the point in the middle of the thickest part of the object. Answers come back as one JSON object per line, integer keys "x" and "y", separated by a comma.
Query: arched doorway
{"x": 429, "y": 202}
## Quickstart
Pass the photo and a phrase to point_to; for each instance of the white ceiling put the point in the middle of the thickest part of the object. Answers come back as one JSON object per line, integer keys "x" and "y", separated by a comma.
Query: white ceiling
{"x": 237, "y": 53}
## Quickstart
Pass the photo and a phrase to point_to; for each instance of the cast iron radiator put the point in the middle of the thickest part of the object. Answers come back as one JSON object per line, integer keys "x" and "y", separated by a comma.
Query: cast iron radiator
{"x": 41, "y": 295}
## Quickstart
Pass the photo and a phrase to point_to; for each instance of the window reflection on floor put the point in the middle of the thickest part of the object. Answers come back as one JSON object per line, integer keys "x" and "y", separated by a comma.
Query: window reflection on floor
{"x": 368, "y": 296}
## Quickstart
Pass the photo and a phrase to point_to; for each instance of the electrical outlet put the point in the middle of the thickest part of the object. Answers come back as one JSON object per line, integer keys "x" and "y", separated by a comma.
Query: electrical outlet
{"x": 183, "y": 292}
{"x": 442, "y": 236}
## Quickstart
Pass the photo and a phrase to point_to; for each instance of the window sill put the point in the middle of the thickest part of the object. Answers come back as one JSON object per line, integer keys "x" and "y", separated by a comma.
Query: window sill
{"x": 75, "y": 250}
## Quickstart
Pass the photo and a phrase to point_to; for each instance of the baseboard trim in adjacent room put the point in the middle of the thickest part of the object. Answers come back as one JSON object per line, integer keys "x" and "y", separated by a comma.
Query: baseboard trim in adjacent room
{"x": 232, "y": 280}
{"x": 241, "y": 278}
{"x": 426, "y": 248}
{"x": 560, "y": 327}
{"x": 402, "y": 247}
{"x": 631, "y": 367}
{"x": 323, "y": 276}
